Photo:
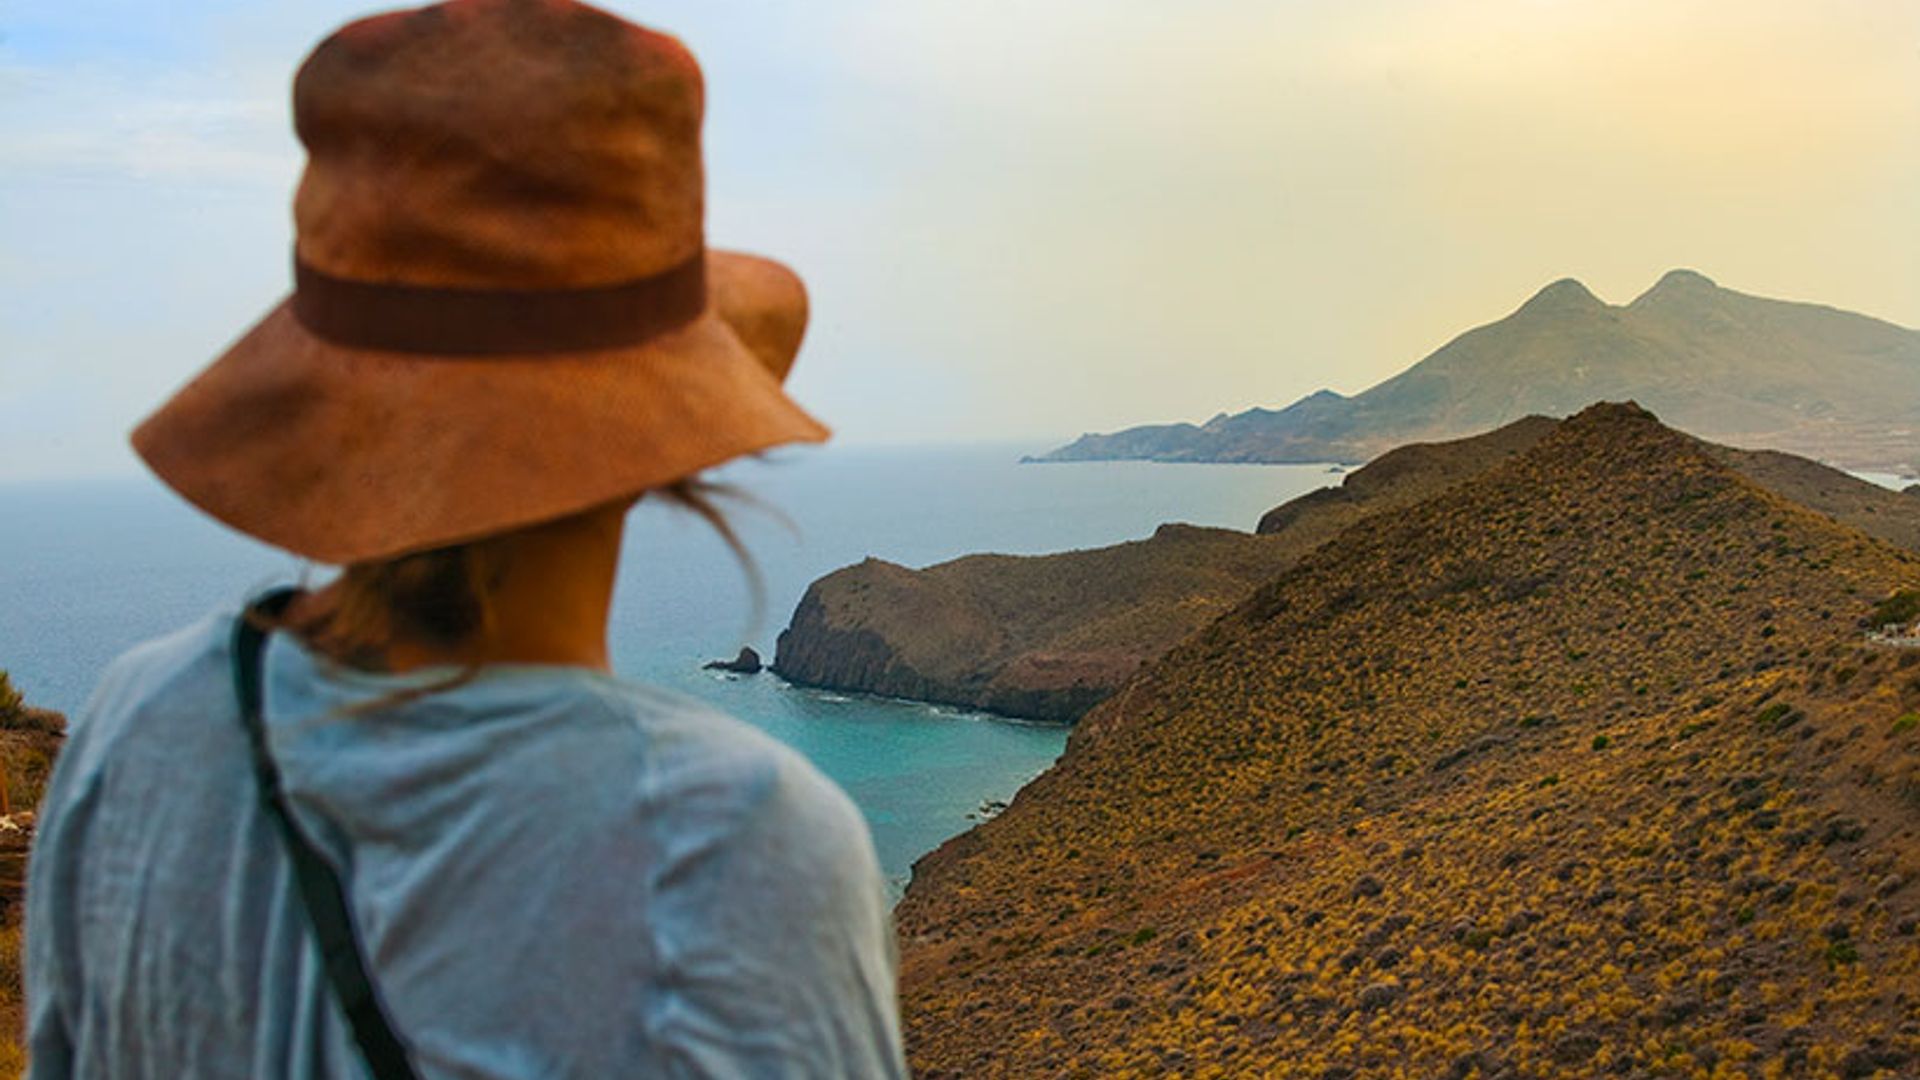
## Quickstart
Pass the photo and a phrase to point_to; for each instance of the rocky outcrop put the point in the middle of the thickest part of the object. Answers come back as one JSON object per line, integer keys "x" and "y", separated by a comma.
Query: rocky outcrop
{"x": 747, "y": 663}
{"x": 1724, "y": 365}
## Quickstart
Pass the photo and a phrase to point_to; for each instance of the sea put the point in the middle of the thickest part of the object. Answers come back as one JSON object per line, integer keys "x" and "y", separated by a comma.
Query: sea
{"x": 88, "y": 569}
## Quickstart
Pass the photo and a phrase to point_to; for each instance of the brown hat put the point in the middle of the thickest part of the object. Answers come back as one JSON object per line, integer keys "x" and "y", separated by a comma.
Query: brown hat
{"x": 503, "y": 310}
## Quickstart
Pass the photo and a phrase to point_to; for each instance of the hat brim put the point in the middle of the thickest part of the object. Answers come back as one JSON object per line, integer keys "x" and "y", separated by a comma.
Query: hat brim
{"x": 346, "y": 455}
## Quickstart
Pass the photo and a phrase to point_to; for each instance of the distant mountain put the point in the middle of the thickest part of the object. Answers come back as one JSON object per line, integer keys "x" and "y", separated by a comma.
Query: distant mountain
{"x": 1049, "y": 636}
{"x": 1582, "y": 767}
{"x": 1733, "y": 368}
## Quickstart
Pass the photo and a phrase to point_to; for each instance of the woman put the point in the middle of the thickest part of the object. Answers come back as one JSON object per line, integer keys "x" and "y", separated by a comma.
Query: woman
{"x": 408, "y": 824}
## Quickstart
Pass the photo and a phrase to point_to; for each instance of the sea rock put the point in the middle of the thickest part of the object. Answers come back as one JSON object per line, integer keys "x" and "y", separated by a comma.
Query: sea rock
{"x": 747, "y": 663}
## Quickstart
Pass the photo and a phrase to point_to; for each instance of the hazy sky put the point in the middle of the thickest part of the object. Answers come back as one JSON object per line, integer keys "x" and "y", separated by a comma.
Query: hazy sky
{"x": 1028, "y": 219}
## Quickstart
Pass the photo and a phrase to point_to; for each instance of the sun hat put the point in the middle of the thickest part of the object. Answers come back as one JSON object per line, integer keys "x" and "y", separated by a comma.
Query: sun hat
{"x": 504, "y": 311}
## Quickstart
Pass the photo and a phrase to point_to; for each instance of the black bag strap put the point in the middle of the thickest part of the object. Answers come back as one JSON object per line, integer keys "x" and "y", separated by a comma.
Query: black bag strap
{"x": 320, "y": 888}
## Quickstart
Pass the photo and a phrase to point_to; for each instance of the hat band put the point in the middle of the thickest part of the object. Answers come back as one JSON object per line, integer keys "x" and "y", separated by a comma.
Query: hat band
{"x": 443, "y": 321}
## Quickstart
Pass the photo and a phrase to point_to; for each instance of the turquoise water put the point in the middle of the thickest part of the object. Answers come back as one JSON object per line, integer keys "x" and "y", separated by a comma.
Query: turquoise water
{"x": 87, "y": 570}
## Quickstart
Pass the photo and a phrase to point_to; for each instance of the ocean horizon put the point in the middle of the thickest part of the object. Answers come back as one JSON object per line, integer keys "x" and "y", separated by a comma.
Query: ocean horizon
{"x": 89, "y": 568}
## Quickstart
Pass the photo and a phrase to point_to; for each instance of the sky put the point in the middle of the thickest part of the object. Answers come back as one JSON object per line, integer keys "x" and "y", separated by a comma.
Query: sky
{"x": 1024, "y": 220}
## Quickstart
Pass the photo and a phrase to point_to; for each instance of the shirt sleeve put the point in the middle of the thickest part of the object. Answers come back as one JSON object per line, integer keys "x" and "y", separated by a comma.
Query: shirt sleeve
{"x": 774, "y": 932}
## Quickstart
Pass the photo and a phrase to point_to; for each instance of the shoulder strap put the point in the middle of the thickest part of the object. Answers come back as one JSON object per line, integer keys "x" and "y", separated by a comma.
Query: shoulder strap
{"x": 320, "y": 888}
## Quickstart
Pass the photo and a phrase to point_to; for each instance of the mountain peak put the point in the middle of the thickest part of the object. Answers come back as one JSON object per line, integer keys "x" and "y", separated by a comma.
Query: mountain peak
{"x": 1681, "y": 276}
{"x": 1564, "y": 295}
{"x": 1319, "y": 399}
{"x": 1612, "y": 413}
{"x": 1618, "y": 426}
{"x": 1679, "y": 283}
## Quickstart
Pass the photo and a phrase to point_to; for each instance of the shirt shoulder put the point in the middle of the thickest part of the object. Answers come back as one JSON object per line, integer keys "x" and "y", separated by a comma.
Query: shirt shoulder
{"x": 766, "y": 912}
{"x": 183, "y": 672}
{"x": 704, "y": 767}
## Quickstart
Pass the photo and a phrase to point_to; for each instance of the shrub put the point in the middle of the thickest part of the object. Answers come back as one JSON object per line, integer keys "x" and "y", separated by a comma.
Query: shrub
{"x": 1901, "y": 607}
{"x": 11, "y": 707}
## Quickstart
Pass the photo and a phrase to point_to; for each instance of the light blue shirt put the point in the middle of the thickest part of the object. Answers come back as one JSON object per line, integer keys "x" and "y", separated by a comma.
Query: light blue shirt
{"x": 554, "y": 872}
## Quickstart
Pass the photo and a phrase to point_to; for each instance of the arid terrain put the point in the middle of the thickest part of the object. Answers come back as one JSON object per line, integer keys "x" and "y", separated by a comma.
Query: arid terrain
{"x": 1582, "y": 767}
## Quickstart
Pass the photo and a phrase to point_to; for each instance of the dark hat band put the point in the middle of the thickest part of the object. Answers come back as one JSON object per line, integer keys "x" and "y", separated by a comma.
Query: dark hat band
{"x": 497, "y": 322}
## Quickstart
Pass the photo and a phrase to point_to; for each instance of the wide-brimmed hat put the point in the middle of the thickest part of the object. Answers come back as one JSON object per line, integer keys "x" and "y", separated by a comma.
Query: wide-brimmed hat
{"x": 504, "y": 310}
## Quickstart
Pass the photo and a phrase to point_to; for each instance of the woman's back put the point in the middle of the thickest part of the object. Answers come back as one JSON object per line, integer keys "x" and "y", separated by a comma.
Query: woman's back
{"x": 505, "y": 328}
{"x": 553, "y": 873}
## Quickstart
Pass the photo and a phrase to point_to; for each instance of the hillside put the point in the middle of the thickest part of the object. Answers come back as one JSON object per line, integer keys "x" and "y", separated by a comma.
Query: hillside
{"x": 1413, "y": 473}
{"x": 29, "y": 739}
{"x": 1047, "y": 637}
{"x": 1401, "y": 477}
{"x": 1579, "y": 768}
{"x": 1737, "y": 369}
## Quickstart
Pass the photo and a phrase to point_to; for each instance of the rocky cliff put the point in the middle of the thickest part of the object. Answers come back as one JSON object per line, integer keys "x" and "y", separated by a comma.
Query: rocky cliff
{"x": 1581, "y": 767}
{"x": 1043, "y": 637}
